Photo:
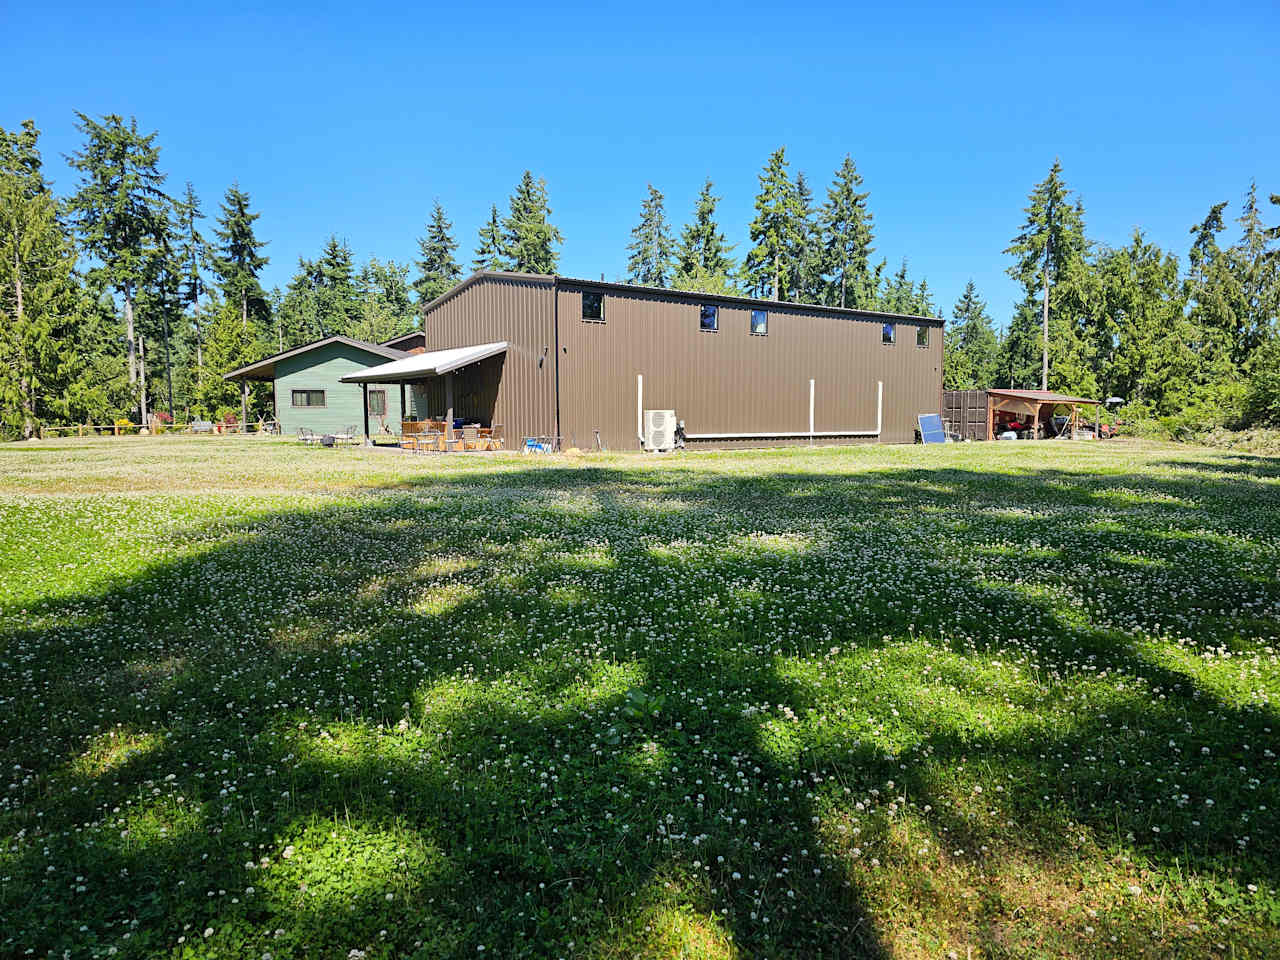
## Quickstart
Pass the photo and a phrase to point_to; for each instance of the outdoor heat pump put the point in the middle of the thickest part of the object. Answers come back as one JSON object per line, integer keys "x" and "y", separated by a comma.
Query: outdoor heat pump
{"x": 659, "y": 430}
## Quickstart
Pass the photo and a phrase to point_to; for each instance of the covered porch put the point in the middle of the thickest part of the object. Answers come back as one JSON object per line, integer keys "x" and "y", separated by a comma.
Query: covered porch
{"x": 1029, "y": 414}
{"x": 460, "y": 385}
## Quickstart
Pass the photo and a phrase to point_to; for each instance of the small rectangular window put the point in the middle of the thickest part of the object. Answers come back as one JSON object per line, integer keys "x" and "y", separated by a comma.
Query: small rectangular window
{"x": 922, "y": 336}
{"x": 710, "y": 318}
{"x": 308, "y": 398}
{"x": 760, "y": 323}
{"x": 593, "y": 307}
{"x": 378, "y": 403}
{"x": 889, "y": 334}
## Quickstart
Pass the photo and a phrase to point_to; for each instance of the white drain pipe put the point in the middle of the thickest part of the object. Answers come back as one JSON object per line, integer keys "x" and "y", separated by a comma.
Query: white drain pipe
{"x": 789, "y": 435}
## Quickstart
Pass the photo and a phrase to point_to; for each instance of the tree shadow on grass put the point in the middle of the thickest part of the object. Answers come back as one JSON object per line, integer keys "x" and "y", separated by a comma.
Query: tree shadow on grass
{"x": 521, "y": 808}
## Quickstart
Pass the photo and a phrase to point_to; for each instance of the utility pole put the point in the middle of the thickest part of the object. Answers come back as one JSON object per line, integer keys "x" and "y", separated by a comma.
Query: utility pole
{"x": 1044, "y": 337}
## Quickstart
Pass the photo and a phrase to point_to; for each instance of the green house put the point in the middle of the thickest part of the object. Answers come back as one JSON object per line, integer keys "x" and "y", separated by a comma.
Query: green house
{"x": 307, "y": 392}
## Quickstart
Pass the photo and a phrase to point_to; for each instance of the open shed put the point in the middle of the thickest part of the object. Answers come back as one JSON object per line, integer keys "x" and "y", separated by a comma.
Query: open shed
{"x": 1033, "y": 410}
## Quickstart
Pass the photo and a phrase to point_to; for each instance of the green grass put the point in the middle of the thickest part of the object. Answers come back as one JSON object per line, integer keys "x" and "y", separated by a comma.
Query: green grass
{"x": 978, "y": 701}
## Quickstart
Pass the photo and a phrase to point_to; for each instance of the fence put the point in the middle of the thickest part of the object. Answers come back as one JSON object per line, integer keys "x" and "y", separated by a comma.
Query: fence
{"x": 964, "y": 413}
{"x": 211, "y": 428}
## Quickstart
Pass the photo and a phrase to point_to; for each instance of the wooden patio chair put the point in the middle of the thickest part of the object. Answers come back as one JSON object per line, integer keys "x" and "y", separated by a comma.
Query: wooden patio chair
{"x": 470, "y": 438}
{"x": 494, "y": 440}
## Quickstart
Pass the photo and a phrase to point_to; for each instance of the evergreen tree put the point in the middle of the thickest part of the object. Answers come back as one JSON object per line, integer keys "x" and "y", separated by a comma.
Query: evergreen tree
{"x": 1215, "y": 310}
{"x": 438, "y": 272}
{"x": 769, "y": 269}
{"x": 807, "y": 259}
{"x": 528, "y": 234}
{"x": 234, "y": 341}
{"x": 651, "y": 248}
{"x": 386, "y": 310}
{"x": 39, "y": 298}
{"x": 119, "y": 210}
{"x": 491, "y": 253}
{"x": 703, "y": 263}
{"x": 295, "y": 313}
{"x": 972, "y": 352}
{"x": 193, "y": 254}
{"x": 845, "y": 224}
{"x": 1052, "y": 237}
{"x": 1153, "y": 359}
{"x": 337, "y": 299}
{"x": 1255, "y": 266}
{"x": 237, "y": 260}
{"x": 900, "y": 294}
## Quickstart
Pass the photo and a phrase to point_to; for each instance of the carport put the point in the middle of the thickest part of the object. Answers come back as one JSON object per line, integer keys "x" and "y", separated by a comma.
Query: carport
{"x": 422, "y": 367}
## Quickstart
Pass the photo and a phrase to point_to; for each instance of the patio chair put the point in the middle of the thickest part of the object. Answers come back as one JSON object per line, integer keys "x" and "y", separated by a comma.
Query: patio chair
{"x": 346, "y": 436}
{"x": 494, "y": 440}
{"x": 306, "y": 435}
{"x": 470, "y": 438}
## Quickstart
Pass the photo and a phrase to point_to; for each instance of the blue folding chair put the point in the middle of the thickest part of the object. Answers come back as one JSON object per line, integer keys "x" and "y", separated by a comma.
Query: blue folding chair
{"x": 931, "y": 428}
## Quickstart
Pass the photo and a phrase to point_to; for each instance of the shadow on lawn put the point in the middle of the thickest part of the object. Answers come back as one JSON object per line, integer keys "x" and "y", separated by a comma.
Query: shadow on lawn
{"x": 490, "y": 605}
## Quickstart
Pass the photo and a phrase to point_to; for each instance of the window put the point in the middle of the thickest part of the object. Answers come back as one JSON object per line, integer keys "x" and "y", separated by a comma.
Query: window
{"x": 922, "y": 336}
{"x": 710, "y": 318}
{"x": 593, "y": 307}
{"x": 759, "y": 323}
{"x": 308, "y": 398}
{"x": 888, "y": 335}
{"x": 378, "y": 403}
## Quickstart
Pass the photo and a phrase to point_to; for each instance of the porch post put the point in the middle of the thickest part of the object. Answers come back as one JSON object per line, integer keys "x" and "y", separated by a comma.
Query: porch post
{"x": 244, "y": 406}
{"x": 448, "y": 413}
{"x": 364, "y": 390}
{"x": 404, "y": 412}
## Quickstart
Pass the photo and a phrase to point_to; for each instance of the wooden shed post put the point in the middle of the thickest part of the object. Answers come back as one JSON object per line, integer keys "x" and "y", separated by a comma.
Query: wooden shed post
{"x": 244, "y": 406}
{"x": 991, "y": 435}
{"x": 364, "y": 390}
{"x": 448, "y": 412}
{"x": 404, "y": 411}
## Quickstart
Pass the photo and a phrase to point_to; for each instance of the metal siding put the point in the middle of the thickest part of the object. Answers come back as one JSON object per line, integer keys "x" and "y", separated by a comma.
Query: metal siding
{"x": 731, "y": 381}
{"x": 319, "y": 369}
{"x": 518, "y": 310}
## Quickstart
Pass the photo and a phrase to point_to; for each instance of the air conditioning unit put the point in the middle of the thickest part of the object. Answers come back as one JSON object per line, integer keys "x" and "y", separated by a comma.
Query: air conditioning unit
{"x": 659, "y": 430}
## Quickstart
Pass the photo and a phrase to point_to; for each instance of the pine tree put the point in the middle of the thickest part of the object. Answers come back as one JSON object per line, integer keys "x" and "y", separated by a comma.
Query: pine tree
{"x": 651, "y": 248}
{"x": 972, "y": 346}
{"x": 232, "y": 343}
{"x": 237, "y": 260}
{"x": 528, "y": 234}
{"x": 1051, "y": 238}
{"x": 438, "y": 272}
{"x": 39, "y": 298}
{"x": 768, "y": 268}
{"x": 337, "y": 299}
{"x": 702, "y": 262}
{"x": 845, "y": 223}
{"x": 491, "y": 253}
{"x": 120, "y": 209}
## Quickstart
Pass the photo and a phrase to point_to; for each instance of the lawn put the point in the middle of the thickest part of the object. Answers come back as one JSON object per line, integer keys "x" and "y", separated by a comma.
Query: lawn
{"x": 976, "y": 701}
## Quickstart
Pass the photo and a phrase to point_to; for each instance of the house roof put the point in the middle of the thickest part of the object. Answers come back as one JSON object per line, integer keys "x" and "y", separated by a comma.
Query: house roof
{"x": 266, "y": 369}
{"x": 690, "y": 295}
{"x": 432, "y": 364}
{"x": 1041, "y": 396}
{"x": 396, "y": 343}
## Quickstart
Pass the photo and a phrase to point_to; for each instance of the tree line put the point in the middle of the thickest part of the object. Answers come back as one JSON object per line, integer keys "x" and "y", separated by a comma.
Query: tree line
{"x": 120, "y": 300}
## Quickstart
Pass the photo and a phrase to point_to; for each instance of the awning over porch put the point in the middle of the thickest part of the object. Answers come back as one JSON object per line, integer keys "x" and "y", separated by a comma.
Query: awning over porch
{"x": 420, "y": 365}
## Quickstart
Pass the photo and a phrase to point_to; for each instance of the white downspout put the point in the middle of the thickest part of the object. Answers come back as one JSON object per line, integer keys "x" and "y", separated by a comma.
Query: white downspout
{"x": 640, "y": 409}
{"x": 811, "y": 412}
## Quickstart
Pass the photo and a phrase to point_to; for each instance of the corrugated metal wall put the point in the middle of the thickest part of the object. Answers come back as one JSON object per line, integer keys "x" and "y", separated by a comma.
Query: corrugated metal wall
{"x": 965, "y": 412}
{"x": 731, "y": 381}
{"x": 520, "y": 311}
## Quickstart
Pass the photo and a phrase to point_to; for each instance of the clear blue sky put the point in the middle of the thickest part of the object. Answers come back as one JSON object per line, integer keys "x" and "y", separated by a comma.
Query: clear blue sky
{"x": 353, "y": 118}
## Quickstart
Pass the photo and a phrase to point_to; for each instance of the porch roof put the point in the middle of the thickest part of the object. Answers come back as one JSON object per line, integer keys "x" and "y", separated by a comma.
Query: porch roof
{"x": 432, "y": 364}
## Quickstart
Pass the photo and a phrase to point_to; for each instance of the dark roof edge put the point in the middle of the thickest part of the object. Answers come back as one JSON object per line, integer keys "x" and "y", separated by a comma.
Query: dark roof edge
{"x": 399, "y": 337}
{"x": 733, "y": 298}
{"x": 484, "y": 275}
{"x": 381, "y": 351}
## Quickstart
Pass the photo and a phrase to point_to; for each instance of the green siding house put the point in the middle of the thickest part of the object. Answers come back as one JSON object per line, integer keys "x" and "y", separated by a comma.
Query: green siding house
{"x": 308, "y": 393}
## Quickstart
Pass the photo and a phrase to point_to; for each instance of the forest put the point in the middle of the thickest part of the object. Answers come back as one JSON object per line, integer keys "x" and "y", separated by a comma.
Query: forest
{"x": 126, "y": 300}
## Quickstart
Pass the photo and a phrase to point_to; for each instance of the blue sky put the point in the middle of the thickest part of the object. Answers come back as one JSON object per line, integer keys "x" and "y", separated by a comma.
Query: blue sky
{"x": 353, "y": 119}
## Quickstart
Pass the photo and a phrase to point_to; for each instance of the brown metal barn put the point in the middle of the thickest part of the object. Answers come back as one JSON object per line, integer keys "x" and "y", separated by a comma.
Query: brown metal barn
{"x": 582, "y": 360}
